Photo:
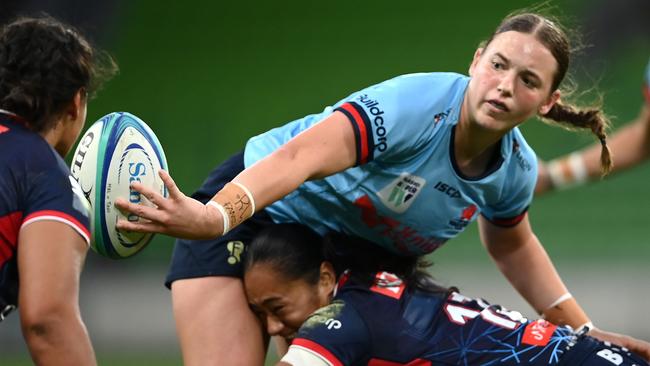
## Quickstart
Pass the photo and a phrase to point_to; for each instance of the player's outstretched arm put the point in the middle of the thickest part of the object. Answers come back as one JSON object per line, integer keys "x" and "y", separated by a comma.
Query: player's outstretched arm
{"x": 324, "y": 149}
{"x": 524, "y": 262}
{"x": 50, "y": 258}
{"x": 630, "y": 146}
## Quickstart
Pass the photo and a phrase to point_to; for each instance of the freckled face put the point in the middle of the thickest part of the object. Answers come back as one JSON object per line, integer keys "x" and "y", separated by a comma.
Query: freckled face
{"x": 282, "y": 304}
{"x": 511, "y": 81}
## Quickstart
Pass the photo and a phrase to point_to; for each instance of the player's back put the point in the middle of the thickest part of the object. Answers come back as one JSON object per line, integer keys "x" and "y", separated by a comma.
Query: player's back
{"x": 386, "y": 322}
{"x": 35, "y": 185}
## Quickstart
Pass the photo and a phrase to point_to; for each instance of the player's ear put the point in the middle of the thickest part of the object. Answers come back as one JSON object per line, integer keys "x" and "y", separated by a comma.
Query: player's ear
{"x": 549, "y": 102}
{"x": 326, "y": 282}
{"x": 477, "y": 57}
{"x": 76, "y": 105}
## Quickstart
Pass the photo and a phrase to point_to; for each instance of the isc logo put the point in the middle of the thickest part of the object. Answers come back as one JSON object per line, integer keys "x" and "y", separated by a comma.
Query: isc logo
{"x": 447, "y": 189}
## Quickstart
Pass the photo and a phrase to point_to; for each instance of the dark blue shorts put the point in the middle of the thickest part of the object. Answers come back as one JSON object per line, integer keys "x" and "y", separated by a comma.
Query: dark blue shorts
{"x": 221, "y": 256}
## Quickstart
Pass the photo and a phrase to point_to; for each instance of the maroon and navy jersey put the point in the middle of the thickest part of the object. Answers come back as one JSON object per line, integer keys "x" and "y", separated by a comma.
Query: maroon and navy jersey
{"x": 387, "y": 324}
{"x": 35, "y": 184}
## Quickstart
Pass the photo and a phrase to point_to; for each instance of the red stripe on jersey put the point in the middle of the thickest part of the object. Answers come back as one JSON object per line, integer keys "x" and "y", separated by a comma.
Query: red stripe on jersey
{"x": 318, "y": 349}
{"x": 510, "y": 221}
{"x": 3, "y": 129}
{"x": 646, "y": 93}
{"x": 59, "y": 216}
{"x": 418, "y": 362}
{"x": 9, "y": 228}
{"x": 363, "y": 133}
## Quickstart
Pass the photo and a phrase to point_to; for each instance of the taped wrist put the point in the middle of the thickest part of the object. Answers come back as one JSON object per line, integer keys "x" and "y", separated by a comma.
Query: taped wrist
{"x": 566, "y": 312}
{"x": 568, "y": 172}
{"x": 236, "y": 204}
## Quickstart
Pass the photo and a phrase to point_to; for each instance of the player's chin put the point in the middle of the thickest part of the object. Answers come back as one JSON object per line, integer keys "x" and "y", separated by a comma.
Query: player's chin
{"x": 496, "y": 122}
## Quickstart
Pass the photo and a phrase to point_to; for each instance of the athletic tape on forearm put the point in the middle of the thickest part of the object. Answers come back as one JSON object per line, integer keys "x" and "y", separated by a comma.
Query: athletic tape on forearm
{"x": 585, "y": 328}
{"x": 224, "y": 216}
{"x": 568, "y": 172}
{"x": 559, "y": 300}
{"x": 237, "y": 203}
{"x": 566, "y": 312}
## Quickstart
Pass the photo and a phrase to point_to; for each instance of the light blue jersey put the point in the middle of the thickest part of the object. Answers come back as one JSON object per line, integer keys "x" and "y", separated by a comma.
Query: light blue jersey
{"x": 405, "y": 192}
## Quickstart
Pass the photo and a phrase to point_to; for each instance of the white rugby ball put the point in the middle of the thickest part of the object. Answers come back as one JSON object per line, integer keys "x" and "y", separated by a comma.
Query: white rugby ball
{"x": 116, "y": 150}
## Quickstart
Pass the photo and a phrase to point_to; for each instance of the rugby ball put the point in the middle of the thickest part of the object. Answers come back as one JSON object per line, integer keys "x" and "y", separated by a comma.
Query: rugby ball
{"x": 116, "y": 150}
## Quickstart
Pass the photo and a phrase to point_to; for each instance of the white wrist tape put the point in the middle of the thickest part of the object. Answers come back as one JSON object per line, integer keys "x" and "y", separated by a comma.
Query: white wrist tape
{"x": 559, "y": 300}
{"x": 568, "y": 172}
{"x": 224, "y": 216}
{"x": 585, "y": 328}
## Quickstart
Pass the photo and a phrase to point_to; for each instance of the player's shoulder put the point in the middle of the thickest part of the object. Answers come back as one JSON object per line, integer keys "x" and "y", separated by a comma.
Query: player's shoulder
{"x": 321, "y": 316}
{"x": 429, "y": 81}
{"x": 21, "y": 149}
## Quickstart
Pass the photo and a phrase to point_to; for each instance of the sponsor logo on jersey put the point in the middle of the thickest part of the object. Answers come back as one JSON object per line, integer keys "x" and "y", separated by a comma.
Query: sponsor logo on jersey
{"x": 235, "y": 248}
{"x": 322, "y": 315}
{"x": 441, "y": 117}
{"x": 447, "y": 189}
{"x": 465, "y": 218}
{"x": 332, "y": 323}
{"x": 404, "y": 238}
{"x": 538, "y": 333}
{"x": 400, "y": 194}
{"x": 388, "y": 284}
{"x": 523, "y": 163}
{"x": 377, "y": 118}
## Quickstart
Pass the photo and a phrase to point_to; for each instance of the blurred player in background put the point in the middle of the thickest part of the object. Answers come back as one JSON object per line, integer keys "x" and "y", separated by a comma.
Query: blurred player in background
{"x": 47, "y": 72}
{"x": 630, "y": 146}
{"x": 343, "y": 301}
{"x": 407, "y": 163}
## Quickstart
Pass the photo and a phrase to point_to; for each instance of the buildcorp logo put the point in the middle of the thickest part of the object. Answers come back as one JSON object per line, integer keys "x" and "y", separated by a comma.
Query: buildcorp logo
{"x": 377, "y": 119}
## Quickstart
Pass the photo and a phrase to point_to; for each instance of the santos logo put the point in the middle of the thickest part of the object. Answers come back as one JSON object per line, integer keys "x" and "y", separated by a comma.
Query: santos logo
{"x": 138, "y": 165}
{"x": 400, "y": 194}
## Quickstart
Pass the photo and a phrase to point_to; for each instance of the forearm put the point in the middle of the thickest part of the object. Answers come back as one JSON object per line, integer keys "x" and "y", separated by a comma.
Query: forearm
{"x": 322, "y": 150}
{"x": 59, "y": 340}
{"x": 275, "y": 176}
{"x": 531, "y": 272}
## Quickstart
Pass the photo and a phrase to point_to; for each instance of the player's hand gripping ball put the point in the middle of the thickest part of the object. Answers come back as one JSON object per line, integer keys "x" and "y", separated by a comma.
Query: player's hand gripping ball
{"x": 116, "y": 150}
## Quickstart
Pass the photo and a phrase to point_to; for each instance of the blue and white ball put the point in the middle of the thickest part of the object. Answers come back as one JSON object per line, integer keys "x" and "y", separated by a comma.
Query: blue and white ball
{"x": 116, "y": 150}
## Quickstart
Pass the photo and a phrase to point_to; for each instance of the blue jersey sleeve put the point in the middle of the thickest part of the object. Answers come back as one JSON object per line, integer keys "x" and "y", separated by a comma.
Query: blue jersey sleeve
{"x": 52, "y": 194}
{"x": 396, "y": 118}
{"x": 517, "y": 193}
{"x": 336, "y": 333}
